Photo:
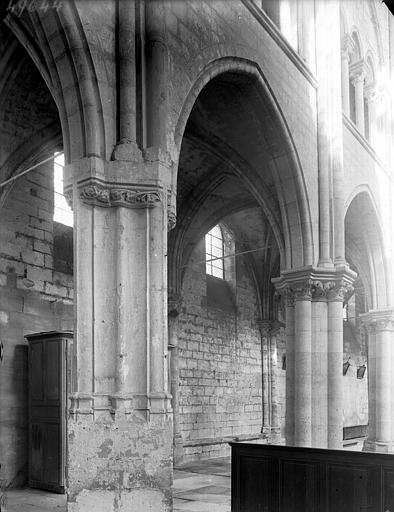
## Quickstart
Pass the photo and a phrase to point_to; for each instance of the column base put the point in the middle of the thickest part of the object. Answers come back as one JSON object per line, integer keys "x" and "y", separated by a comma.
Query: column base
{"x": 120, "y": 465}
{"x": 378, "y": 446}
{"x": 272, "y": 435}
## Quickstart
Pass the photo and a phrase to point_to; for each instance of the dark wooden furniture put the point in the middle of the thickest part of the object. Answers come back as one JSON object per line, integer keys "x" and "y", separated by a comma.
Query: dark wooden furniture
{"x": 50, "y": 379}
{"x": 267, "y": 478}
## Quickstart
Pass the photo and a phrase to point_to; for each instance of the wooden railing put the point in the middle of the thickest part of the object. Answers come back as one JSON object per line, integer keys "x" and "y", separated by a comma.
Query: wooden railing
{"x": 267, "y": 478}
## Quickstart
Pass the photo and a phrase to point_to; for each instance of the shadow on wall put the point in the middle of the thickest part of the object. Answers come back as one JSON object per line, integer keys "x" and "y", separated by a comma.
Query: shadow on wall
{"x": 18, "y": 378}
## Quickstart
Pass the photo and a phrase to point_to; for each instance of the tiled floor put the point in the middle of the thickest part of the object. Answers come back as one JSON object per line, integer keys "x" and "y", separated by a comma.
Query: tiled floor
{"x": 198, "y": 487}
{"x": 203, "y": 486}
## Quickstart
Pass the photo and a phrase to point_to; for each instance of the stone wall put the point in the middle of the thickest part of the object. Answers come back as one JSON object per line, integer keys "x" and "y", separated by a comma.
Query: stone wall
{"x": 33, "y": 298}
{"x": 220, "y": 395}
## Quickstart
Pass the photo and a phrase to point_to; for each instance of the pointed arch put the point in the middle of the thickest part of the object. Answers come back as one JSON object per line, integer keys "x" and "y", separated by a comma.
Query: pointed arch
{"x": 365, "y": 246}
{"x": 295, "y": 231}
{"x": 57, "y": 44}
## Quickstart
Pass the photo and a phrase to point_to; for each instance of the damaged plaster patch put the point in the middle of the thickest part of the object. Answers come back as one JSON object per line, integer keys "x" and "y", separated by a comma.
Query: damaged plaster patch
{"x": 105, "y": 449}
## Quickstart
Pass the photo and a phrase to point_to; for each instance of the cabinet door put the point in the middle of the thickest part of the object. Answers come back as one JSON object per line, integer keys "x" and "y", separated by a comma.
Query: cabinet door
{"x": 46, "y": 379}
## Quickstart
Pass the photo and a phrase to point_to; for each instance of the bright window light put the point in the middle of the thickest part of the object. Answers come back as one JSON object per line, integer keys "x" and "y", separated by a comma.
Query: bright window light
{"x": 62, "y": 212}
{"x": 214, "y": 252}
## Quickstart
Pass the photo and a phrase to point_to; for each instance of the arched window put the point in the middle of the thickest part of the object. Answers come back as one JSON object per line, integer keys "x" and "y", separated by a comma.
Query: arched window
{"x": 214, "y": 252}
{"x": 62, "y": 213}
{"x": 63, "y": 222}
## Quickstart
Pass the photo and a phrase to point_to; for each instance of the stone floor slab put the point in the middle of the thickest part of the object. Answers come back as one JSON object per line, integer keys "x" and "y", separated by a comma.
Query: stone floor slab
{"x": 202, "y": 486}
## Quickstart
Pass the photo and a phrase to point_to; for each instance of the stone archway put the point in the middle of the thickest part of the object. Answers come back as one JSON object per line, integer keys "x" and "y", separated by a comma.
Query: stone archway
{"x": 237, "y": 157}
{"x": 365, "y": 248}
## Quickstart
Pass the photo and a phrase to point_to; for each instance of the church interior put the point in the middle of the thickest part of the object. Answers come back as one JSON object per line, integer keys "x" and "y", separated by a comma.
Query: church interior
{"x": 196, "y": 243}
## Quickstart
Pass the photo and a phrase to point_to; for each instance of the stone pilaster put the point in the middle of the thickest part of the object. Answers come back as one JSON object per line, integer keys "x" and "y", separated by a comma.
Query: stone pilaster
{"x": 380, "y": 328}
{"x": 265, "y": 327}
{"x": 314, "y": 339}
{"x": 270, "y": 427}
{"x": 174, "y": 308}
{"x": 120, "y": 435}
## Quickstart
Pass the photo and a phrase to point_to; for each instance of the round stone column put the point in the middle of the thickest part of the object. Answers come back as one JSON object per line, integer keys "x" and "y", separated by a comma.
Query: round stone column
{"x": 314, "y": 349}
{"x": 334, "y": 371}
{"x": 380, "y": 326}
{"x": 290, "y": 375}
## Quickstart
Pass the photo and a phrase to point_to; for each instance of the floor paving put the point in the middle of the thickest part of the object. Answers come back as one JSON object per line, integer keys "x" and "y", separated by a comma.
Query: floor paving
{"x": 203, "y": 486}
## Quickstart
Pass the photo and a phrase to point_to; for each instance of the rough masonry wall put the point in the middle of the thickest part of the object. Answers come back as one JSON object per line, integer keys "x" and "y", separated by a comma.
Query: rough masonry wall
{"x": 33, "y": 298}
{"x": 220, "y": 365}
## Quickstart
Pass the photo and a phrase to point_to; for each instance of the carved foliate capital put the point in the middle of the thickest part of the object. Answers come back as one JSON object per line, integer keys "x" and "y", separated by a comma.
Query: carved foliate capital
{"x": 378, "y": 320}
{"x": 171, "y": 210}
{"x": 358, "y": 71}
{"x": 171, "y": 220}
{"x": 347, "y": 46}
{"x": 339, "y": 290}
{"x": 174, "y": 305}
{"x": 289, "y": 296}
{"x": 265, "y": 327}
{"x": 315, "y": 284}
{"x": 303, "y": 290}
{"x": 108, "y": 195}
{"x": 68, "y": 194}
{"x": 371, "y": 92}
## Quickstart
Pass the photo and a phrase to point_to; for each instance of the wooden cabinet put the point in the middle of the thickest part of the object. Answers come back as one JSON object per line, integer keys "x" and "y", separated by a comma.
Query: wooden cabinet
{"x": 51, "y": 372}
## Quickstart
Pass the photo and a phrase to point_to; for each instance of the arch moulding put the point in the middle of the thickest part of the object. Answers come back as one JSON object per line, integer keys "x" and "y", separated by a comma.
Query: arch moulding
{"x": 249, "y": 68}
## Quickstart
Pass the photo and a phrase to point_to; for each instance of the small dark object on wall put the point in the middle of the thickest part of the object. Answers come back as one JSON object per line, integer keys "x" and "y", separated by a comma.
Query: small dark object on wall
{"x": 361, "y": 371}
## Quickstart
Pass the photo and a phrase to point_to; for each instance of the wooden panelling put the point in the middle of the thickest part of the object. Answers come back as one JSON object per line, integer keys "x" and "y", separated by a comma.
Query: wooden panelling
{"x": 268, "y": 478}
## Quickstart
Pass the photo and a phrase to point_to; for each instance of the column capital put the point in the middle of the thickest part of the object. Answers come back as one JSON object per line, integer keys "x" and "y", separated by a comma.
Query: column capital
{"x": 347, "y": 46}
{"x": 174, "y": 302}
{"x": 358, "y": 71}
{"x": 265, "y": 326}
{"x": 315, "y": 284}
{"x": 136, "y": 179}
{"x": 378, "y": 320}
{"x": 129, "y": 195}
{"x": 371, "y": 92}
